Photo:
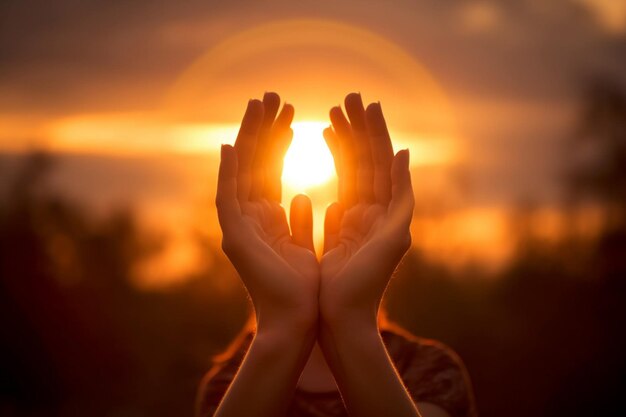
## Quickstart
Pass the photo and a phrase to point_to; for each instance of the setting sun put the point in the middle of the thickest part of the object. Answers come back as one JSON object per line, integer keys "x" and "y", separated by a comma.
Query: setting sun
{"x": 308, "y": 161}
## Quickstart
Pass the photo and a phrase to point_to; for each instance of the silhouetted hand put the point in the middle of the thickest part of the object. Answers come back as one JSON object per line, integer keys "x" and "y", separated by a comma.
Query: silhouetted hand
{"x": 278, "y": 267}
{"x": 367, "y": 231}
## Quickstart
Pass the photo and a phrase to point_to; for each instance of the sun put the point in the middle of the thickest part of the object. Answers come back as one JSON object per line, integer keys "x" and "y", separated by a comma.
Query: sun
{"x": 308, "y": 162}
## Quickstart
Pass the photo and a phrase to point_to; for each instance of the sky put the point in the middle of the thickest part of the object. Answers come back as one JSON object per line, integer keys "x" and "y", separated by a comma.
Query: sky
{"x": 510, "y": 72}
{"x": 75, "y": 56}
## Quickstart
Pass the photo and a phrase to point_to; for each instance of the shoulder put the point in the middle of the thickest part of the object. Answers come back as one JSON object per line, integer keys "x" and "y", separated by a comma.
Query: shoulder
{"x": 431, "y": 371}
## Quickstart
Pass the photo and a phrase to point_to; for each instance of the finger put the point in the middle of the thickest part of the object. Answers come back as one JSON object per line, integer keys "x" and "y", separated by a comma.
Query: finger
{"x": 402, "y": 199}
{"x": 245, "y": 145}
{"x": 281, "y": 139}
{"x": 332, "y": 141}
{"x": 228, "y": 209}
{"x": 301, "y": 221}
{"x": 332, "y": 225}
{"x": 381, "y": 150}
{"x": 271, "y": 102}
{"x": 365, "y": 171}
{"x": 284, "y": 119}
{"x": 348, "y": 161}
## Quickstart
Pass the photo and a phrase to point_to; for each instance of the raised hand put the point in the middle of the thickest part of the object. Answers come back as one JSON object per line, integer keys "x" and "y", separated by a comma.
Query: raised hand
{"x": 366, "y": 236}
{"x": 277, "y": 266}
{"x": 367, "y": 231}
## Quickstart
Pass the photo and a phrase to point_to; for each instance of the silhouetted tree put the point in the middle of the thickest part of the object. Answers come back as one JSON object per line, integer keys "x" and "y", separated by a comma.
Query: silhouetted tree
{"x": 599, "y": 172}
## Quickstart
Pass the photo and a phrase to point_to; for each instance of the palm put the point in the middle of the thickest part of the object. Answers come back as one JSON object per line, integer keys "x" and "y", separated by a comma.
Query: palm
{"x": 358, "y": 225}
{"x": 357, "y": 271}
{"x": 267, "y": 221}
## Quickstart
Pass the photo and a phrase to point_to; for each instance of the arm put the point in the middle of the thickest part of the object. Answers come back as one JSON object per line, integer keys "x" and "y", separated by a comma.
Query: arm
{"x": 278, "y": 267}
{"x": 366, "y": 236}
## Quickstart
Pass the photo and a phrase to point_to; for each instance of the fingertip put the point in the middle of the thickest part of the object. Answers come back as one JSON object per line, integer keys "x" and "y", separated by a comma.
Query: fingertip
{"x": 301, "y": 202}
{"x": 271, "y": 102}
{"x": 226, "y": 151}
{"x": 400, "y": 165}
{"x": 339, "y": 121}
{"x": 271, "y": 96}
{"x": 288, "y": 107}
{"x": 253, "y": 117}
{"x": 334, "y": 209}
{"x": 407, "y": 157}
{"x": 335, "y": 112}
{"x": 329, "y": 134}
{"x": 329, "y": 137}
{"x": 289, "y": 111}
{"x": 403, "y": 155}
{"x": 255, "y": 105}
{"x": 353, "y": 99}
{"x": 373, "y": 108}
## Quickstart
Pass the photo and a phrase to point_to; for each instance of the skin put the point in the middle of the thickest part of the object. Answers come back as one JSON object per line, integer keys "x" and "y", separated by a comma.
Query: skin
{"x": 298, "y": 300}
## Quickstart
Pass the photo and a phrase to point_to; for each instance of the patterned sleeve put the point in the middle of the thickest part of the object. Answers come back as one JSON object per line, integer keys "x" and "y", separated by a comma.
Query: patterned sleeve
{"x": 218, "y": 379}
{"x": 433, "y": 373}
{"x": 213, "y": 387}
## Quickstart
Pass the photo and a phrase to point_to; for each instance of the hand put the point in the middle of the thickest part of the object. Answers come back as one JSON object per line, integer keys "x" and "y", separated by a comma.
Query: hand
{"x": 366, "y": 233}
{"x": 278, "y": 267}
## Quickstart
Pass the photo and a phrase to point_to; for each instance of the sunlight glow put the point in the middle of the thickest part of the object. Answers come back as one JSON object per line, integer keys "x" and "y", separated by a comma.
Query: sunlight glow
{"x": 308, "y": 161}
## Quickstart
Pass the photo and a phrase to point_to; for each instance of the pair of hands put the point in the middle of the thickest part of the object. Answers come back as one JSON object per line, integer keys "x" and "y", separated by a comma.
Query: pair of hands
{"x": 366, "y": 233}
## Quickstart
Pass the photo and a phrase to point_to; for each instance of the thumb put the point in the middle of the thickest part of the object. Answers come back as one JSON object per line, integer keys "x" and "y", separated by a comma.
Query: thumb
{"x": 226, "y": 198}
{"x": 301, "y": 220}
{"x": 332, "y": 224}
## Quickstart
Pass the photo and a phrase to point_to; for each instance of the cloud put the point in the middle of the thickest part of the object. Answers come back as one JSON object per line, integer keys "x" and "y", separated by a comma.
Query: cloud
{"x": 610, "y": 14}
{"x": 525, "y": 58}
{"x": 67, "y": 55}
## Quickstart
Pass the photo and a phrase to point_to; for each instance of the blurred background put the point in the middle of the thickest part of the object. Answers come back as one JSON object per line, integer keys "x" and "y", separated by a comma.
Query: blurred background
{"x": 114, "y": 293}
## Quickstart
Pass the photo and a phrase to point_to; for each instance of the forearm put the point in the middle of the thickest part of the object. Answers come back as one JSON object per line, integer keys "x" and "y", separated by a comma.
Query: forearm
{"x": 367, "y": 379}
{"x": 269, "y": 373}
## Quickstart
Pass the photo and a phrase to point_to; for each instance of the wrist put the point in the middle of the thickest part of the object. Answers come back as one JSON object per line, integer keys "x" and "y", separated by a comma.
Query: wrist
{"x": 345, "y": 321}
{"x": 290, "y": 325}
{"x": 284, "y": 338}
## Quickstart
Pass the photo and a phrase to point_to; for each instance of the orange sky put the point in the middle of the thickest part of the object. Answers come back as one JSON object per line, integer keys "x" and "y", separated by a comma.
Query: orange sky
{"x": 136, "y": 98}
